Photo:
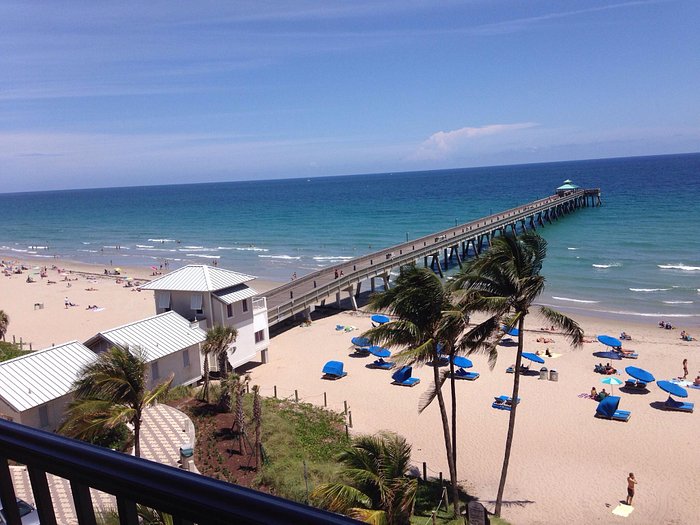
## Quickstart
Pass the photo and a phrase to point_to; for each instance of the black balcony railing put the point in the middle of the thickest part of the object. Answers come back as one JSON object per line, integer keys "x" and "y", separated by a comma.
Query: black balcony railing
{"x": 188, "y": 497}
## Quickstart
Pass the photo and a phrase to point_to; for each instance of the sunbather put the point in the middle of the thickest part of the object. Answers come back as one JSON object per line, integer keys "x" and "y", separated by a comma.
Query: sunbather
{"x": 609, "y": 370}
{"x": 594, "y": 393}
{"x": 697, "y": 381}
{"x": 602, "y": 395}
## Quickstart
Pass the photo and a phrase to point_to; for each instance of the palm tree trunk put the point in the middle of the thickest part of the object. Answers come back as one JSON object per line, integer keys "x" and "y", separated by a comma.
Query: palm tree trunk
{"x": 453, "y": 392}
{"x": 511, "y": 421}
{"x": 223, "y": 365}
{"x": 137, "y": 435}
{"x": 205, "y": 387}
{"x": 448, "y": 439}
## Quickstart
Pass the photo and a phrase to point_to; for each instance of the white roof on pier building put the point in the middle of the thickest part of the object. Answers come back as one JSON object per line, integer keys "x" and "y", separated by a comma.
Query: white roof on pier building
{"x": 157, "y": 336}
{"x": 568, "y": 185}
{"x": 198, "y": 278}
{"x": 39, "y": 377}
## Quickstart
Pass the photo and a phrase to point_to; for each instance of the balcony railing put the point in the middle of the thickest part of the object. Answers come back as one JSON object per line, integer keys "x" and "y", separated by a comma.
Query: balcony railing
{"x": 188, "y": 497}
{"x": 259, "y": 303}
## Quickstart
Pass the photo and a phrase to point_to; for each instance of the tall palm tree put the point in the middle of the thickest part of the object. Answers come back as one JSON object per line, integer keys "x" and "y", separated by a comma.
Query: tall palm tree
{"x": 379, "y": 489}
{"x": 417, "y": 301}
{"x": 4, "y": 323}
{"x": 109, "y": 391}
{"x": 505, "y": 282}
{"x": 218, "y": 340}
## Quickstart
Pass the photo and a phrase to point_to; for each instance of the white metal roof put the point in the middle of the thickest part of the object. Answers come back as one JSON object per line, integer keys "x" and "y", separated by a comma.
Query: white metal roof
{"x": 157, "y": 336}
{"x": 235, "y": 293}
{"x": 198, "y": 278}
{"x": 39, "y": 377}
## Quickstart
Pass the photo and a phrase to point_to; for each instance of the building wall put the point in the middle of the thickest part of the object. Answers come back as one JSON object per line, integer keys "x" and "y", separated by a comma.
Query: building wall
{"x": 9, "y": 412}
{"x": 181, "y": 302}
{"x": 55, "y": 410}
{"x": 173, "y": 363}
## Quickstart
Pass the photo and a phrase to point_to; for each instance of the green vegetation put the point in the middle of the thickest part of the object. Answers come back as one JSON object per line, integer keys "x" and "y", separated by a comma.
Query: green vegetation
{"x": 219, "y": 338}
{"x": 10, "y": 351}
{"x": 4, "y": 323}
{"x": 178, "y": 393}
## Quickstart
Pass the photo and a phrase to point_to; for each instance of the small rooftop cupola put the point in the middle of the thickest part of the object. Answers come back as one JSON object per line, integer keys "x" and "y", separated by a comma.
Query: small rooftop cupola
{"x": 567, "y": 187}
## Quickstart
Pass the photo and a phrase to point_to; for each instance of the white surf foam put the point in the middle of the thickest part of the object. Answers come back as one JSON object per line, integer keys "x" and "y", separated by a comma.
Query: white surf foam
{"x": 649, "y": 289}
{"x": 678, "y": 302}
{"x": 332, "y": 258}
{"x": 611, "y": 265}
{"x": 573, "y": 300}
{"x": 683, "y": 267}
{"x": 284, "y": 257}
{"x": 204, "y": 256}
{"x": 572, "y": 248}
{"x": 161, "y": 240}
{"x": 144, "y": 246}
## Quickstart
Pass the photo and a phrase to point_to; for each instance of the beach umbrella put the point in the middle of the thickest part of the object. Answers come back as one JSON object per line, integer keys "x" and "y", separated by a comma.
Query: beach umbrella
{"x": 533, "y": 357}
{"x": 640, "y": 374}
{"x": 462, "y": 362}
{"x": 362, "y": 342}
{"x": 379, "y": 351}
{"x": 380, "y": 319}
{"x": 513, "y": 332}
{"x": 610, "y": 341}
{"x": 612, "y": 381}
{"x": 673, "y": 388}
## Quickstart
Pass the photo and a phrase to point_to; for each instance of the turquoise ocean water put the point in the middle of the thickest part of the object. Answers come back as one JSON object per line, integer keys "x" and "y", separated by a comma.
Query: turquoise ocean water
{"x": 638, "y": 255}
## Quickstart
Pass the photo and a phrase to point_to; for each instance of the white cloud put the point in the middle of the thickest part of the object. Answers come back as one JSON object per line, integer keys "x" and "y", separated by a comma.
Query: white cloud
{"x": 443, "y": 144}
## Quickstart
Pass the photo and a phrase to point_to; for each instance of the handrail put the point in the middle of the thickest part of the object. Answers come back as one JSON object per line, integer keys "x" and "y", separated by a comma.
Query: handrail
{"x": 184, "y": 495}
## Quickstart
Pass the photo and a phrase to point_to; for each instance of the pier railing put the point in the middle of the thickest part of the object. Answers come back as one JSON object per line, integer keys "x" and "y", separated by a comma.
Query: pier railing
{"x": 189, "y": 498}
{"x": 301, "y": 294}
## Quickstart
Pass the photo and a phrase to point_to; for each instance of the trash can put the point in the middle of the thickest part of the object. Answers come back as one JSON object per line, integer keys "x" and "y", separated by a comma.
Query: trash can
{"x": 543, "y": 372}
{"x": 186, "y": 453}
{"x": 553, "y": 375}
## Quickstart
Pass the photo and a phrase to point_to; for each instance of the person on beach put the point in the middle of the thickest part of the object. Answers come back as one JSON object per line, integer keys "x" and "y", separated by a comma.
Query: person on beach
{"x": 631, "y": 482}
{"x": 336, "y": 274}
{"x": 685, "y": 368}
{"x": 594, "y": 393}
{"x": 66, "y": 302}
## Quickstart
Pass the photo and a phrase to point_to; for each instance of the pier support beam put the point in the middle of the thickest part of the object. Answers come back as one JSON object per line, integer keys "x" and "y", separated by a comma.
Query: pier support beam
{"x": 351, "y": 293}
{"x": 337, "y": 300}
{"x": 371, "y": 284}
{"x": 385, "y": 278}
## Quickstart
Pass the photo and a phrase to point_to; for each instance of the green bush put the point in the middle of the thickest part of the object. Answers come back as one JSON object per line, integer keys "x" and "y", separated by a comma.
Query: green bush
{"x": 118, "y": 438}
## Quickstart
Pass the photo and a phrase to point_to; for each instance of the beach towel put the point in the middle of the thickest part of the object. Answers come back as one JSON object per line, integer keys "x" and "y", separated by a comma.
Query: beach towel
{"x": 623, "y": 510}
{"x": 696, "y": 387}
{"x": 681, "y": 382}
{"x": 553, "y": 356}
{"x": 584, "y": 395}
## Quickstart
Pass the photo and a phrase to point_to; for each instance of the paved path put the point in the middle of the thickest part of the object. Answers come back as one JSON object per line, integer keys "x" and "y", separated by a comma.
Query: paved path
{"x": 164, "y": 429}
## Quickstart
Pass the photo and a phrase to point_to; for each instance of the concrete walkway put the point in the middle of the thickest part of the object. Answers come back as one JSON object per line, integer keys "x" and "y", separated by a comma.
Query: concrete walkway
{"x": 164, "y": 430}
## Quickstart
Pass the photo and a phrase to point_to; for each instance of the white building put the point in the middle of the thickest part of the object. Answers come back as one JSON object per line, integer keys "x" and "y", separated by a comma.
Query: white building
{"x": 214, "y": 296}
{"x": 36, "y": 388}
{"x": 171, "y": 345}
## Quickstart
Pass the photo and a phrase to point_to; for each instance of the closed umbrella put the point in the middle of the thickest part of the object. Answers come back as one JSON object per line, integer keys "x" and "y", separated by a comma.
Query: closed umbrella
{"x": 612, "y": 381}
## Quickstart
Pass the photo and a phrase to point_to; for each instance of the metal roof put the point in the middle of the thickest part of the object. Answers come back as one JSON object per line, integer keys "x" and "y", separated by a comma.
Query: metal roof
{"x": 198, "y": 278}
{"x": 568, "y": 185}
{"x": 235, "y": 293}
{"x": 39, "y": 377}
{"x": 157, "y": 336}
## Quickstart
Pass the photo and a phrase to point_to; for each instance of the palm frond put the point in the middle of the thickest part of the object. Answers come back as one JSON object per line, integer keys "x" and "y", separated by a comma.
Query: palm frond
{"x": 429, "y": 395}
{"x": 571, "y": 328}
{"x": 339, "y": 497}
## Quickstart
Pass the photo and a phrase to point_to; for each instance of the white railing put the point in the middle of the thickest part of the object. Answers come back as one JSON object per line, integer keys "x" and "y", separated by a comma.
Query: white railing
{"x": 259, "y": 303}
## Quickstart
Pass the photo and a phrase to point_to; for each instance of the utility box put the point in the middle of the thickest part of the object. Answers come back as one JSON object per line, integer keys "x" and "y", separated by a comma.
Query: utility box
{"x": 186, "y": 456}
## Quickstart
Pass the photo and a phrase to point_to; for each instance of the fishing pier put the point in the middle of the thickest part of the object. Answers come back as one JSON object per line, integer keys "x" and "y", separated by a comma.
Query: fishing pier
{"x": 438, "y": 251}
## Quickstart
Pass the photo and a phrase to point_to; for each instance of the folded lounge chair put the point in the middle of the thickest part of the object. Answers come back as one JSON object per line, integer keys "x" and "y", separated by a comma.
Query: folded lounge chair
{"x": 333, "y": 370}
{"x": 503, "y": 403}
{"x": 672, "y": 404}
{"x": 403, "y": 377}
{"x": 381, "y": 364}
{"x": 635, "y": 383}
{"x": 461, "y": 373}
{"x": 607, "y": 409}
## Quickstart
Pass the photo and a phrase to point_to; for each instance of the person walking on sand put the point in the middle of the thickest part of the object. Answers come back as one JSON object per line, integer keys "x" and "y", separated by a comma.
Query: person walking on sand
{"x": 685, "y": 368}
{"x": 631, "y": 482}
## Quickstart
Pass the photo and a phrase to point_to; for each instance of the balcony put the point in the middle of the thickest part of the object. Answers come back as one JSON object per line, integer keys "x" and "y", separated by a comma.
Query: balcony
{"x": 189, "y": 498}
{"x": 259, "y": 303}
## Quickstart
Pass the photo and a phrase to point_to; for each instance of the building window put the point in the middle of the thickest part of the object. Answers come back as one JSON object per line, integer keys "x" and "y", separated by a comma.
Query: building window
{"x": 43, "y": 416}
{"x": 155, "y": 373}
{"x": 259, "y": 336}
{"x": 245, "y": 305}
{"x": 186, "y": 358}
{"x": 229, "y": 310}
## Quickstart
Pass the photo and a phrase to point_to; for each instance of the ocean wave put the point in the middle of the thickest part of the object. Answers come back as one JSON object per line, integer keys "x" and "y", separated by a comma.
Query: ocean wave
{"x": 573, "y": 300}
{"x": 192, "y": 248}
{"x": 572, "y": 248}
{"x": 252, "y": 249}
{"x": 145, "y": 246}
{"x": 87, "y": 251}
{"x": 622, "y": 312}
{"x": 678, "y": 302}
{"x": 683, "y": 267}
{"x": 284, "y": 257}
{"x": 85, "y": 242}
{"x": 648, "y": 289}
{"x": 161, "y": 240}
{"x": 204, "y": 256}
{"x": 611, "y": 265}
{"x": 38, "y": 247}
{"x": 332, "y": 258}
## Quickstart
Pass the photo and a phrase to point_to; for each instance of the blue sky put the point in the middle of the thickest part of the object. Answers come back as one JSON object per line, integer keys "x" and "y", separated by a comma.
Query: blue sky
{"x": 129, "y": 93}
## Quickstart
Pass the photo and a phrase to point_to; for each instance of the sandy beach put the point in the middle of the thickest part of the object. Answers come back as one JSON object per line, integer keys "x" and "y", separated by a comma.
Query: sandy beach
{"x": 567, "y": 466}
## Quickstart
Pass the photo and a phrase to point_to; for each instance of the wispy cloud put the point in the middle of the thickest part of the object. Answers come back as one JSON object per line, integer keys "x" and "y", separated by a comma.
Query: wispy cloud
{"x": 443, "y": 144}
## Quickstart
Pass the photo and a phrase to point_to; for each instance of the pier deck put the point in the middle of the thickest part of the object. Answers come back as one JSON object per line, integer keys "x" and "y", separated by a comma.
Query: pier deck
{"x": 453, "y": 245}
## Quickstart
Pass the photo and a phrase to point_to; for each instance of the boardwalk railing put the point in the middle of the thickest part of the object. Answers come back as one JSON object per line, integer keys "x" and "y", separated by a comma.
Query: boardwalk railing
{"x": 303, "y": 293}
{"x": 188, "y": 497}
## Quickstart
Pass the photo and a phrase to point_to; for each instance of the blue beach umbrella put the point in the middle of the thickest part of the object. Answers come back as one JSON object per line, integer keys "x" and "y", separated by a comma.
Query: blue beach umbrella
{"x": 673, "y": 388}
{"x": 462, "y": 362}
{"x": 362, "y": 342}
{"x": 379, "y": 351}
{"x": 533, "y": 357}
{"x": 612, "y": 381}
{"x": 381, "y": 319}
{"x": 513, "y": 332}
{"x": 640, "y": 374}
{"x": 610, "y": 341}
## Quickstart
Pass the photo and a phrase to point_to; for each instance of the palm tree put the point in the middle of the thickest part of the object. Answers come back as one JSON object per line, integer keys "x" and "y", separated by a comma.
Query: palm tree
{"x": 219, "y": 338}
{"x": 4, "y": 323}
{"x": 109, "y": 391}
{"x": 417, "y": 301}
{"x": 505, "y": 282}
{"x": 378, "y": 489}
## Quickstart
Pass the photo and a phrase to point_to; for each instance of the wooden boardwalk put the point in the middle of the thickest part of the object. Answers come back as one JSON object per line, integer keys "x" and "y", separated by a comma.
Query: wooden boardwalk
{"x": 438, "y": 250}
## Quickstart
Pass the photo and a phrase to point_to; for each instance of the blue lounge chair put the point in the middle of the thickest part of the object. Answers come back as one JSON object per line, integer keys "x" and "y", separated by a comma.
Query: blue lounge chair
{"x": 403, "y": 377}
{"x": 672, "y": 404}
{"x": 381, "y": 364}
{"x": 503, "y": 403}
{"x": 461, "y": 373}
{"x": 333, "y": 370}
{"x": 607, "y": 409}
